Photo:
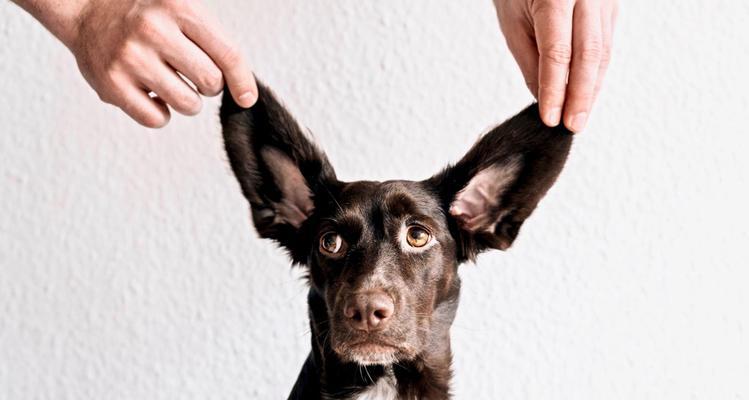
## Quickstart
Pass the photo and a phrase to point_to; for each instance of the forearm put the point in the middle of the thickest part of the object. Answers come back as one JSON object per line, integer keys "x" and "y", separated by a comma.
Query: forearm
{"x": 60, "y": 17}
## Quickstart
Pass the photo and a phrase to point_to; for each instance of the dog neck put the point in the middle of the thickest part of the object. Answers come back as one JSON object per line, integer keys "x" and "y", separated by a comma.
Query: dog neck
{"x": 325, "y": 376}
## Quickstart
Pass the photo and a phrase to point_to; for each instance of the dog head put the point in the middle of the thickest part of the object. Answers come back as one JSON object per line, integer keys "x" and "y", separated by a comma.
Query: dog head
{"x": 382, "y": 257}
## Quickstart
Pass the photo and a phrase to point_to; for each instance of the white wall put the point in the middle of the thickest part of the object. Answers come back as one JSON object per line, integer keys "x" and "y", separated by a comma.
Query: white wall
{"x": 129, "y": 270}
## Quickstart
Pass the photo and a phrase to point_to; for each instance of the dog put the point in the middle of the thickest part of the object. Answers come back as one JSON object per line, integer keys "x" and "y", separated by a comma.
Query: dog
{"x": 382, "y": 257}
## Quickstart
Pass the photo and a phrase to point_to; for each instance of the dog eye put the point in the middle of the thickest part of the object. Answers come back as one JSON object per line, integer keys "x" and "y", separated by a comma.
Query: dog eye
{"x": 331, "y": 243}
{"x": 417, "y": 236}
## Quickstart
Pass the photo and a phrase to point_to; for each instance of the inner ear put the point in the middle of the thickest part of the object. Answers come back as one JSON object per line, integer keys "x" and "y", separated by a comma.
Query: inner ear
{"x": 281, "y": 172}
{"x": 478, "y": 207}
{"x": 496, "y": 186}
{"x": 296, "y": 203}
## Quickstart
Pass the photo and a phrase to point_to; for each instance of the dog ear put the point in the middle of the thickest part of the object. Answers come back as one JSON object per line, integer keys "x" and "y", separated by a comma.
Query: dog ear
{"x": 490, "y": 192}
{"x": 278, "y": 168}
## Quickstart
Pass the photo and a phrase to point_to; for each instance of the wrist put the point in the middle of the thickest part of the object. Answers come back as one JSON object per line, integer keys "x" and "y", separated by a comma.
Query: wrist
{"x": 60, "y": 17}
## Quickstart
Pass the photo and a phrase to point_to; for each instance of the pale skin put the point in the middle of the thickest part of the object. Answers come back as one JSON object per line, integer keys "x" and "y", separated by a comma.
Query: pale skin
{"x": 130, "y": 51}
{"x": 563, "y": 48}
{"x": 151, "y": 57}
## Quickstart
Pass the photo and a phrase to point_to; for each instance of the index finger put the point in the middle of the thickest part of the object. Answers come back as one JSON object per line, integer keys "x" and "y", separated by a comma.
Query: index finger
{"x": 553, "y": 29}
{"x": 226, "y": 55}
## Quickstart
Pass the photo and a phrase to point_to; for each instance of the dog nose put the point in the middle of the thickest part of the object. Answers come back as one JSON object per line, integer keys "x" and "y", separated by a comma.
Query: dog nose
{"x": 370, "y": 311}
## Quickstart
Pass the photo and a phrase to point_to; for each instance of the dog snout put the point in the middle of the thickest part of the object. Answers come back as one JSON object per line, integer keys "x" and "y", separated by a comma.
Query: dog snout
{"x": 369, "y": 311}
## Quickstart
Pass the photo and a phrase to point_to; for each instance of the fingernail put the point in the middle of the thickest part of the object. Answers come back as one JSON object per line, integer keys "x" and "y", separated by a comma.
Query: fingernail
{"x": 247, "y": 99}
{"x": 553, "y": 116}
{"x": 577, "y": 123}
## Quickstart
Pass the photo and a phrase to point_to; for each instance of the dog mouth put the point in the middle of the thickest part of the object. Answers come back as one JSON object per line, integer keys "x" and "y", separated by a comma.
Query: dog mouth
{"x": 371, "y": 352}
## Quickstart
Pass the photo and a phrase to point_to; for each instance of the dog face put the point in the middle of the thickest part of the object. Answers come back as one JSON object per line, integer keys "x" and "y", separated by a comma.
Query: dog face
{"x": 382, "y": 257}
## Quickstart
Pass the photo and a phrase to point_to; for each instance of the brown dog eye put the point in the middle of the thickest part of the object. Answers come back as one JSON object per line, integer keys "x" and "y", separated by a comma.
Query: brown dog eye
{"x": 331, "y": 243}
{"x": 417, "y": 236}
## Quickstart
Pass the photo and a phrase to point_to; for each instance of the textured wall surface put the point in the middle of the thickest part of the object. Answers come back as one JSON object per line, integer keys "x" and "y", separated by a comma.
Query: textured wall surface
{"x": 129, "y": 270}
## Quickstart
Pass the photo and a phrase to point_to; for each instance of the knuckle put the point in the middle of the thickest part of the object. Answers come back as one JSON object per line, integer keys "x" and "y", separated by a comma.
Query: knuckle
{"x": 551, "y": 92}
{"x": 189, "y": 103}
{"x": 145, "y": 113}
{"x": 171, "y": 4}
{"x": 127, "y": 59}
{"x": 548, "y": 7}
{"x": 212, "y": 82}
{"x": 581, "y": 98}
{"x": 178, "y": 6}
{"x": 146, "y": 26}
{"x": 141, "y": 21}
{"x": 605, "y": 56}
{"x": 231, "y": 56}
{"x": 176, "y": 9}
{"x": 125, "y": 54}
{"x": 557, "y": 53}
{"x": 590, "y": 52}
{"x": 596, "y": 90}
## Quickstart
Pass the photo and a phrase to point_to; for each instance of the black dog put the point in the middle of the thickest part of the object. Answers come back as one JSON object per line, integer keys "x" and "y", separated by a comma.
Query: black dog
{"x": 382, "y": 257}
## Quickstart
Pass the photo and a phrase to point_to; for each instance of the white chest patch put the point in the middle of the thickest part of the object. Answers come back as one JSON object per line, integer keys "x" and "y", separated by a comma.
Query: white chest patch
{"x": 383, "y": 389}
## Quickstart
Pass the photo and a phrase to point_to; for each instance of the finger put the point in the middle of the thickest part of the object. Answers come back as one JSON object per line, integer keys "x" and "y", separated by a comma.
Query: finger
{"x": 553, "y": 29}
{"x": 165, "y": 82}
{"x": 606, "y": 43}
{"x": 227, "y": 57}
{"x": 524, "y": 50}
{"x": 587, "y": 48}
{"x": 145, "y": 110}
{"x": 189, "y": 60}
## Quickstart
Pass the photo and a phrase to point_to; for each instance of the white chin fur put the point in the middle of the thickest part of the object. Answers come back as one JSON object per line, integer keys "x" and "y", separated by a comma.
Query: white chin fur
{"x": 374, "y": 358}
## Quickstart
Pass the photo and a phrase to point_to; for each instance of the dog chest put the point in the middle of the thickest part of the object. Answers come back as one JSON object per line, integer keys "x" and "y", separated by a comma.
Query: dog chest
{"x": 383, "y": 389}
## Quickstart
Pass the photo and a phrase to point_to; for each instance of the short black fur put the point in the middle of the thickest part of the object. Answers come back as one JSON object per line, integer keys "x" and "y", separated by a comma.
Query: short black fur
{"x": 295, "y": 199}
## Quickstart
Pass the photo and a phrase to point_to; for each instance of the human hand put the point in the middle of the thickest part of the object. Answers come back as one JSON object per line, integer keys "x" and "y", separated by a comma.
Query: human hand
{"x": 563, "y": 48}
{"x": 131, "y": 50}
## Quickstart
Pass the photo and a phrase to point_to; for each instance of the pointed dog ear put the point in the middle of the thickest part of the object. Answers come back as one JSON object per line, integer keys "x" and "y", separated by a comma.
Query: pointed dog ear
{"x": 490, "y": 192}
{"x": 278, "y": 168}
